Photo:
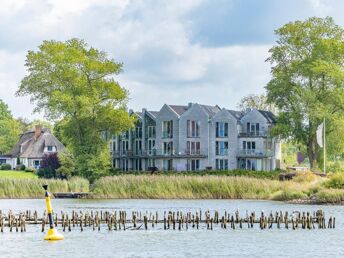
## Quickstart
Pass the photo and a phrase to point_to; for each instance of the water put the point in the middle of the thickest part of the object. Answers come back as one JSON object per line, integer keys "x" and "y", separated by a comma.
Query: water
{"x": 160, "y": 243}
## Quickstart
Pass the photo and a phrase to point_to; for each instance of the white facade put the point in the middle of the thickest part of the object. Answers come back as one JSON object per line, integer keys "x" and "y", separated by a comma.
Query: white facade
{"x": 198, "y": 137}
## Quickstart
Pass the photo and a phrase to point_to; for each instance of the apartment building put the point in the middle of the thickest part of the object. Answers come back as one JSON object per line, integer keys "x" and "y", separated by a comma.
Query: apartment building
{"x": 198, "y": 137}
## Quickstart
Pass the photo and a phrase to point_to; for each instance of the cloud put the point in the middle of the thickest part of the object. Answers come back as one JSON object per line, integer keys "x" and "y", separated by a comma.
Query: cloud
{"x": 173, "y": 51}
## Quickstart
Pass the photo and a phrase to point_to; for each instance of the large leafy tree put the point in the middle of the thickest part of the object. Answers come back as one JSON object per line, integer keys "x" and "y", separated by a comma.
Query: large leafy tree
{"x": 257, "y": 101}
{"x": 74, "y": 83}
{"x": 307, "y": 80}
{"x": 10, "y": 129}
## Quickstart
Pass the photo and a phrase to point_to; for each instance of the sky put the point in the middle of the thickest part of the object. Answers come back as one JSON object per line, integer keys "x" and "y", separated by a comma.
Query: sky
{"x": 173, "y": 51}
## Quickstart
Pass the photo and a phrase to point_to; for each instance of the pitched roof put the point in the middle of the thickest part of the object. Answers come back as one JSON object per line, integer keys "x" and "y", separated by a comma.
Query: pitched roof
{"x": 154, "y": 113}
{"x": 211, "y": 110}
{"x": 29, "y": 147}
{"x": 270, "y": 117}
{"x": 179, "y": 109}
{"x": 237, "y": 114}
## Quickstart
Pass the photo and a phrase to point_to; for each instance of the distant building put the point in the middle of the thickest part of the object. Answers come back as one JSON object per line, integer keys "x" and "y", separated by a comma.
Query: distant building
{"x": 31, "y": 148}
{"x": 198, "y": 137}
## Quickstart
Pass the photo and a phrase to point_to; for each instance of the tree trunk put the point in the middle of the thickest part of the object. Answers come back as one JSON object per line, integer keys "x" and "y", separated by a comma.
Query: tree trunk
{"x": 312, "y": 153}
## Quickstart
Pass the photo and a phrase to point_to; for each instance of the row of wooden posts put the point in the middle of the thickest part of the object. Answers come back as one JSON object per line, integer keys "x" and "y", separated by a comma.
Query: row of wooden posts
{"x": 118, "y": 220}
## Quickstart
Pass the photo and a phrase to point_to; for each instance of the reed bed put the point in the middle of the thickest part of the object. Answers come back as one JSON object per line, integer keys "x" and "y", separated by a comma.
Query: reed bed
{"x": 191, "y": 187}
{"x": 32, "y": 188}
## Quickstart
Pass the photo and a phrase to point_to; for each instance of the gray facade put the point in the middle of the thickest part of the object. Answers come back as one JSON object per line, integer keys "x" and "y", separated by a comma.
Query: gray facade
{"x": 198, "y": 137}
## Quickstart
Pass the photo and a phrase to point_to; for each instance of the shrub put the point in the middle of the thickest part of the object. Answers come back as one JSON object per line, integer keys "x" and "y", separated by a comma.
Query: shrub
{"x": 30, "y": 169}
{"x": 50, "y": 163}
{"x": 335, "y": 167}
{"x": 5, "y": 167}
{"x": 20, "y": 167}
{"x": 335, "y": 181}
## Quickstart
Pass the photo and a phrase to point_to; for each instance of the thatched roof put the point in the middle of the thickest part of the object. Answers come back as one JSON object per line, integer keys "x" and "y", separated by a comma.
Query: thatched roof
{"x": 30, "y": 147}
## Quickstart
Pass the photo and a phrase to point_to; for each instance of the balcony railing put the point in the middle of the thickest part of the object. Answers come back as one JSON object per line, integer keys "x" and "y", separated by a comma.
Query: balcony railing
{"x": 263, "y": 133}
{"x": 222, "y": 152}
{"x": 161, "y": 153}
{"x": 254, "y": 153}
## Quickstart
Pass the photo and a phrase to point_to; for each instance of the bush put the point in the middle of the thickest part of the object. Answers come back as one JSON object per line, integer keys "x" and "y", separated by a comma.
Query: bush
{"x": 20, "y": 167}
{"x": 335, "y": 167}
{"x": 5, "y": 167}
{"x": 30, "y": 169}
{"x": 46, "y": 173}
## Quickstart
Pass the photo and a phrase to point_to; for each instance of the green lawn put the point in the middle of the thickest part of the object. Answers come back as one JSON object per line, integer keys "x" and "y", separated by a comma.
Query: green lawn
{"x": 16, "y": 174}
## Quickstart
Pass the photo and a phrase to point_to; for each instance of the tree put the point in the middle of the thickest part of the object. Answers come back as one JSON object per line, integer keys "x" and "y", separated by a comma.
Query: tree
{"x": 49, "y": 165}
{"x": 307, "y": 80}
{"x": 256, "y": 101}
{"x": 9, "y": 129}
{"x": 4, "y": 110}
{"x": 43, "y": 123}
{"x": 67, "y": 165}
{"x": 74, "y": 83}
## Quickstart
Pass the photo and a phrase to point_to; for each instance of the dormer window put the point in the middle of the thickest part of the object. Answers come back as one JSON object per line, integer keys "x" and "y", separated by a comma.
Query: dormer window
{"x": 50, "y": 148}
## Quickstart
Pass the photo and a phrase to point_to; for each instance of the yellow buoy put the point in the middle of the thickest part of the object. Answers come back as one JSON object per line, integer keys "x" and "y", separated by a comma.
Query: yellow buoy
{"x": 52, "y": 234}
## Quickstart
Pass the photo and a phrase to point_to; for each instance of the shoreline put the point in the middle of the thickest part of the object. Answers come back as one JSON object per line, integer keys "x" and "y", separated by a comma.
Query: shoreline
{"x": 308, "y": 201}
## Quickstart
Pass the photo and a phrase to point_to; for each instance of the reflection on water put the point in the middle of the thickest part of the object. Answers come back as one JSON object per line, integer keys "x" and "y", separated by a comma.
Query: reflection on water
{"x": 161, "y": 243}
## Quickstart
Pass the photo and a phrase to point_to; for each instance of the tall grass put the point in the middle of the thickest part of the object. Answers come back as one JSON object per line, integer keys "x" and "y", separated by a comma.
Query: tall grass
{"x": 32, "y": 188}
{"x": 236, "y": 172}
{"x": 189, "y": 187}
{"x": 336, "y": 181}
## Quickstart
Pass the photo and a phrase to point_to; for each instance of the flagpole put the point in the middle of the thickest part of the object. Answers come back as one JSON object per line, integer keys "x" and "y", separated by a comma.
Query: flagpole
{"x": 324, "y": 148}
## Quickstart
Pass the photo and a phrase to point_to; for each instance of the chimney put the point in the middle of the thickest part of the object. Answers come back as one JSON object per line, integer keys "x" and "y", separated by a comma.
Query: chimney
{"x": 38, "y": 131}
{"x": 189, "y": 104}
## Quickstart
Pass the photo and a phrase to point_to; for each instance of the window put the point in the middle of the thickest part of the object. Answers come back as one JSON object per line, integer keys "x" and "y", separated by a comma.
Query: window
{"x": 222, "y": 164}
{"x": 221, "y": 129}
{"x": 168, "y": 148}
{"x": 151, "y": 163}
{"x": 151, "y": 145}
{"x": 221, "y": 148}
{"x": 151, "y": 131}
{"x": 125, "y": 146}
{"x": 193, "y": 164}
{"x": 138, "y": 146}
{"x": 125, "y": 135}
{"x": 167, "y": 164}
{"x": 249, "y": 147}
{"x": 193, "y": 128}
{"x": 36, "y": 163}
{"x": 250, "y": 164}
{"x": 2, "y": 161}
{"x": 252, "y": 128}
{"x": 138, "y": 132}
{"x": 167, "y": 129}
{"x": 193, "y": 148}
{"x": 50, "y": 148}
{"x": 137, "y": 164}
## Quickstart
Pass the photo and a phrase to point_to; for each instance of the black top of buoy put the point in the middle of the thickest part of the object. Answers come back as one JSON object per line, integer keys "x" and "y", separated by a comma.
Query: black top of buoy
{"x": 45, "y": 187}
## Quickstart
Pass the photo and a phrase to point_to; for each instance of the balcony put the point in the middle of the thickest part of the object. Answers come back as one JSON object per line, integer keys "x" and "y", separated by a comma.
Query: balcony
{"x": 160, "y": 153}
{"x": 254, "y": 153}
{"x": 222, "y": 152}
{"x": 264, "y": 133}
